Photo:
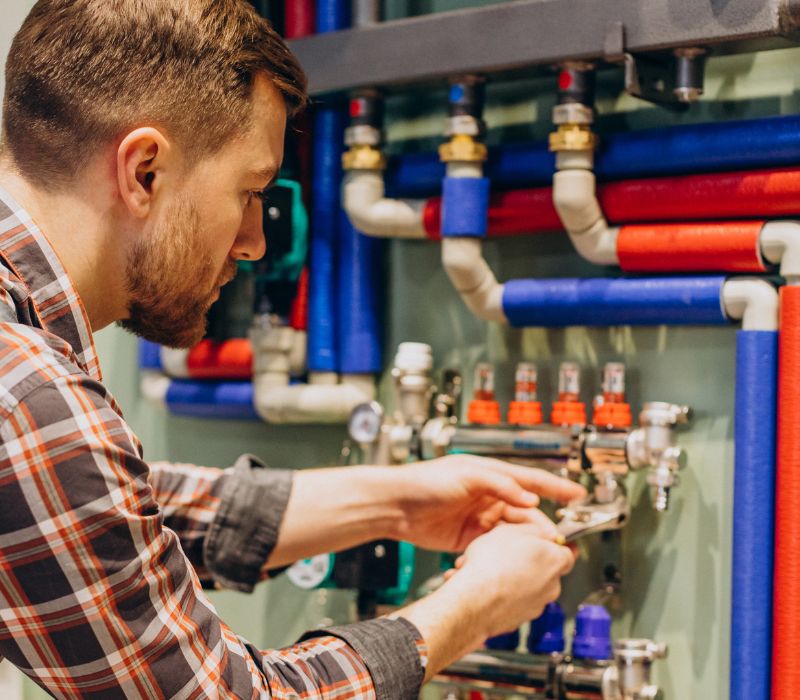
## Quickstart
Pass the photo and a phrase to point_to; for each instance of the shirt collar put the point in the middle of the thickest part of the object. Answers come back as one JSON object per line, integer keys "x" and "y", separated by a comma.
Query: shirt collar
{"x": 32, "y": 258}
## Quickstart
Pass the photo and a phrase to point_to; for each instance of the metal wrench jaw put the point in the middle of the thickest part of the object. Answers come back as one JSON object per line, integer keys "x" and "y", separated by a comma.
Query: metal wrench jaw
{"x": 588, "y": 516}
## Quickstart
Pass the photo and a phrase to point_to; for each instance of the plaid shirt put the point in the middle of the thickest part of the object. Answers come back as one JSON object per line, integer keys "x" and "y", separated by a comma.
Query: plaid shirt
{"x": 102, "y": 556}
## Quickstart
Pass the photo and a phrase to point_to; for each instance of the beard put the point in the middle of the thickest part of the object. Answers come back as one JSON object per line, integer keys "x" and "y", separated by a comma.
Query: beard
{"x": 168, "y": 281}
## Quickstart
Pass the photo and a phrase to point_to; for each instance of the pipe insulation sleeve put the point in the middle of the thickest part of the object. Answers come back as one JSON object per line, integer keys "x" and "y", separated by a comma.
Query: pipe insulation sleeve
{"x": 332, "y": 15}
{"x": 731, "y": 247}
{"x": 512, "y": 213}
{"x": 232, "y": 359}
{"x": 232, "y": 400}
{"x": 329, "y": 125}
{"x": 772, "y": 142}
{"x": 465, "y": 206}
{"x": 149, "y": 355}
{"x": 753, "y": 514}
{"x": 360, "y": 267}
{"x": 786, "y": 608}
{"x": 609, "y": 302}
{"x": 299, "y": 18}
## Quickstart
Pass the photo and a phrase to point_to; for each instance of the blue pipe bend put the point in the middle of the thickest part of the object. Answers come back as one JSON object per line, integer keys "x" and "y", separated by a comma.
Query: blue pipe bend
{"x": 609, "y": 302}
{"x": 753, "y": 514}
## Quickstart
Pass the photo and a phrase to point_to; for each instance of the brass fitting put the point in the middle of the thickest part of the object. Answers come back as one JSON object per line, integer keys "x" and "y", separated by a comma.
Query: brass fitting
{"x": 463, "y": 148}
{"x": 362, "y": 157}
{"x": 573, "y": 137}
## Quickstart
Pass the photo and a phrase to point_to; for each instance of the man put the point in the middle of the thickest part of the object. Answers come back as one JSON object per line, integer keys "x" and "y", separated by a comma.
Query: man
{"x": 137, "y": 138}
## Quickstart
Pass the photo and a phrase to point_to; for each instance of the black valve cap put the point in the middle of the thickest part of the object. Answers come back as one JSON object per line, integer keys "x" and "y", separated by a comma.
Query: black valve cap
{"x": 576, "y": 85}
{"x": 466, "y": 98}
{"x": 366, "y": 109}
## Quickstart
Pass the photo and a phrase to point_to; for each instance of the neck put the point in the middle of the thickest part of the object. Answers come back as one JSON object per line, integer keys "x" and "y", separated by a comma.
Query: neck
{"x": 77, "y": 223}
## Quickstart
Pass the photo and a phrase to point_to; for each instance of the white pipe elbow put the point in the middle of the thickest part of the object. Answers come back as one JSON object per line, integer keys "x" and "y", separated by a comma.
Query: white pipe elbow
{"x": 780, "y": 245}
{"x": 371, "y": 213}
{"x": 154, "y": 387}
{"x": 753, "y": 301}
{"x": 575, "y": 200}
{"x": 175, "y": 362}
{"x": 473, "y": 279}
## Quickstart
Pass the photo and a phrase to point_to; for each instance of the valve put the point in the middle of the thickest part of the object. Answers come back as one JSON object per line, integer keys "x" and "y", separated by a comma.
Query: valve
{"x": 484, "y": 408}
{"x": 689, "y": 68}
{"x": 654, "y": 445}
{"x": 630, "y": 676}
{"x": 465, "y": 126}
{"x": 610, "y": 408}
{"x": 569, "y": 410}
{"x": 364, "y": 136}
{"x": 525, "y": 409}
{"x": 574, "y": 114}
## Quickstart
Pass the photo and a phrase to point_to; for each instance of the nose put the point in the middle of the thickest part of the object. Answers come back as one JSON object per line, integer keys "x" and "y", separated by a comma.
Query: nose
{"x": 250, "y": 243}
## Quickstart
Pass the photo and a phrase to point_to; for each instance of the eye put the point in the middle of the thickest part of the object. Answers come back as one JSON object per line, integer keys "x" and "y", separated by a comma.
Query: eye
{"x": 259, "y": 194}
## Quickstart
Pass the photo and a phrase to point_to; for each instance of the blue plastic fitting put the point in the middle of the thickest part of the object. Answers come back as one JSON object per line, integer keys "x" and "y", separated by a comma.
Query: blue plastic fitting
{"x": 323, "y": 319}
{"x": 360, "y": 301}
{"x": 738, "y": 145}
{"x": 547, "y": 631}
{"x": 465, "y": 206}
{"x": 503, "y": 642}
{"x": 753, "y": 514}
{"x": 608, "y": 302}
{"x": 196, "y": 399}
{"x": 592, "y": 638}
{"x": 149, "y": 355}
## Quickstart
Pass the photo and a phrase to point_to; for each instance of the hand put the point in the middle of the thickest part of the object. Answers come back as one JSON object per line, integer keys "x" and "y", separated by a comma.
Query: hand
{"x": 447, "y": 503}
{"x": 505, "y": 577}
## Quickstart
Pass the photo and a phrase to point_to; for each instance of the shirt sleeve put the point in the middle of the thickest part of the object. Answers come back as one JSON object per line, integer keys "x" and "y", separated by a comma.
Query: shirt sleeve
{"x": 100, "y": 602}
{"x": 227, "y": 520}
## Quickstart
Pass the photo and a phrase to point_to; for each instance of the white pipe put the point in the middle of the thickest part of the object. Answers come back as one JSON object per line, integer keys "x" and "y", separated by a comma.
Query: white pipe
{"x": 473, "y": 279}
{"x": 175, "y": 362}
{"x": 298, "y": 355}
{"x": 310, "y": 403}
{"x": 753, "y": 301}
{"x": 371, "y": 213}
{"x": 575, "y": 200}
{"x": 780, "y": 244}
{"x": 154, "y": 387}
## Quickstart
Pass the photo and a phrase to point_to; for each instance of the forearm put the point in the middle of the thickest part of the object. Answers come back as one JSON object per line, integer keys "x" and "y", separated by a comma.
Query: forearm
{"x": 330, "y": 510}
{"x": 449, "y": 621}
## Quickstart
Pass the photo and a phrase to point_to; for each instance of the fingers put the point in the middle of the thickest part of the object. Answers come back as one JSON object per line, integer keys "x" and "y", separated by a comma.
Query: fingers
{"x": 538, "y": 481}
{"x": 531, "y": 516}
{"x": 508, "y": 489}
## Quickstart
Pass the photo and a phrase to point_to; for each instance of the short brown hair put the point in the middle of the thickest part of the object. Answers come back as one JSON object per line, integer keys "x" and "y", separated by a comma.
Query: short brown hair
{"x": 82, "y": 72}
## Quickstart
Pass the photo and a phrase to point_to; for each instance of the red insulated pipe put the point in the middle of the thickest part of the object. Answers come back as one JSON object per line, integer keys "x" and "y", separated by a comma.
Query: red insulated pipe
{"x": 231, "y": 359}
{"x": 298, "y": 316}
{"x": 739, "y": 195}
{"x": 512, "y": 213}
{"x": 731, "y": 247}
{"x": 299, "y": 18}
{"x": 786, "y": 630}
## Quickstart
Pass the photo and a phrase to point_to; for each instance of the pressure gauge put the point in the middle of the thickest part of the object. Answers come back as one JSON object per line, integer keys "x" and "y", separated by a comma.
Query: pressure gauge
{"x": 365, "y": 423}
{"x": 311, "y": 573}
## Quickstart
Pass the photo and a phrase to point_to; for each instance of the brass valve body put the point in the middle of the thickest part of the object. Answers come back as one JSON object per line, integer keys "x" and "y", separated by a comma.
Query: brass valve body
{"x": 361, "y": 157}
{"x": 573, "y": 137}
{"x": 463, "y": 148}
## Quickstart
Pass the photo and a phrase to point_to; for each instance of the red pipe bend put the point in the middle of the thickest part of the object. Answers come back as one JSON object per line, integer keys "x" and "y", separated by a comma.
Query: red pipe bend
{"x": 728, "y": 247}
{"x": 232, "y": 359}
{"x": 786, "y": 631}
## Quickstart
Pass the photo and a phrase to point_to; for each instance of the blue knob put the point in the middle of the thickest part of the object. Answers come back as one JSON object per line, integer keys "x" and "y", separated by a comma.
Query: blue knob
{"x": 547, "y": 631}
{"x": 592, "y": 633}
{"x": 504, "y": 642}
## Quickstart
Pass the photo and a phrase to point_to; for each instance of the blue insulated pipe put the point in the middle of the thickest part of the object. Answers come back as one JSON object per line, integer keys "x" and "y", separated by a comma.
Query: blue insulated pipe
{"x": 149, "y": 355}
{"x": 329, "y": 125}
{"x": 738, "y": 145}
{"x": 609, "y": 302}
{"x": 332, "y": 15}
{"x": 360, "y": 296}
{"x": 232, "y": 400}
{"x": 753, "y": 514}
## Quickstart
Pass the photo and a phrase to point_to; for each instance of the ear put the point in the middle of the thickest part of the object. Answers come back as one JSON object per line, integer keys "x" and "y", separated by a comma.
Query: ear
{"x": 142, "y": 157}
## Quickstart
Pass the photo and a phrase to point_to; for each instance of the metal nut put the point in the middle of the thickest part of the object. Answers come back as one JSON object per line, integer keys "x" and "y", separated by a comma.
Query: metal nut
{"x": 363, "y": 158}
{"x": 573, "y": 137}
{"x": 462, "y": 148}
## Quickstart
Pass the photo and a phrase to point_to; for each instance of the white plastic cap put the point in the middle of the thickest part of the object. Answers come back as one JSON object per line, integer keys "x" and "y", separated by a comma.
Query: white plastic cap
{"x": 414, "y": 357}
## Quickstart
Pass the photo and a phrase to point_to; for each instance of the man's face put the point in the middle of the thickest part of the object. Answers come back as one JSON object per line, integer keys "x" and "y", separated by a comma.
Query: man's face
{"x": 212, "y": 220}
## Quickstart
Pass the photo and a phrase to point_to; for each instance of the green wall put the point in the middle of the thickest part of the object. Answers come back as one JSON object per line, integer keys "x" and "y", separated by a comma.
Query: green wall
{"x": 676, "y": 566}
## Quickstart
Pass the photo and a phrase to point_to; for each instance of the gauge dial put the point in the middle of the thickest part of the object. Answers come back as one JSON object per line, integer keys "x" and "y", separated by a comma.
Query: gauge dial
{"x": 311, "y": 573}
{"x": 365, "y": 423}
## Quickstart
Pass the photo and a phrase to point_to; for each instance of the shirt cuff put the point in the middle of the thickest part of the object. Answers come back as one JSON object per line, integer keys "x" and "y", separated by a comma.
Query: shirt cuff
{"x": 245, "y": 528}
{"x": 393, "y": 651}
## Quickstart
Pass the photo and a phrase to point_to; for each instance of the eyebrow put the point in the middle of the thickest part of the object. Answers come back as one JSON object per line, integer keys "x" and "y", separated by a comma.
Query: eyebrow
{"x": 269, "y": 174}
